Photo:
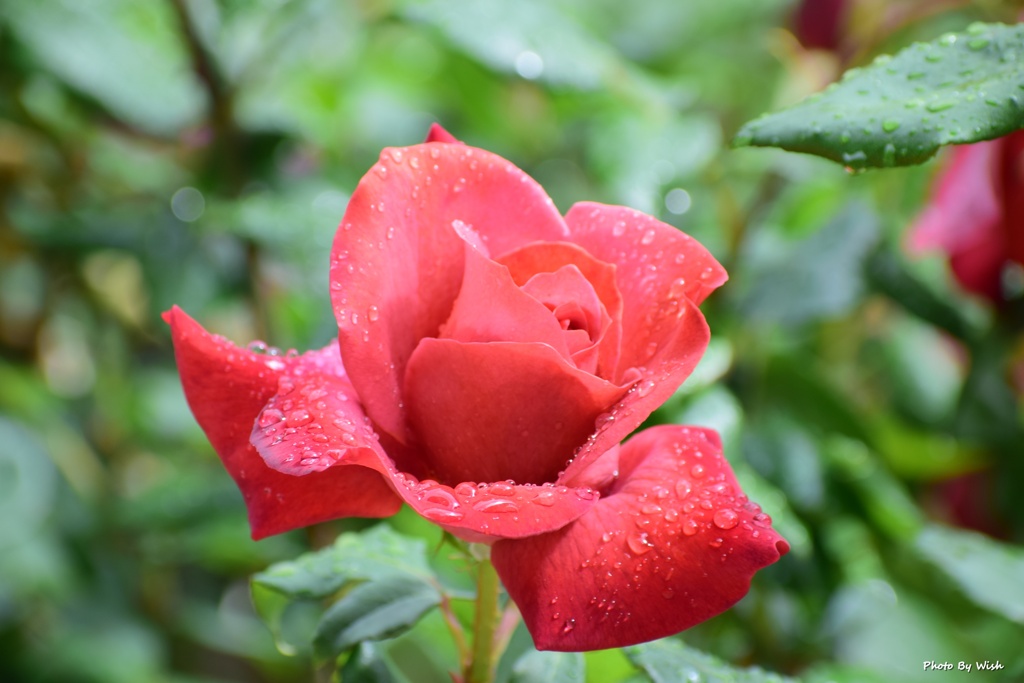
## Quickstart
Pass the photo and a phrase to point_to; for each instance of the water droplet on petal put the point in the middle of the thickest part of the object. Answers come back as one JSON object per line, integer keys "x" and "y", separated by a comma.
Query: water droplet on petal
{"x": 586, "y": 493}
{"x": 466, "y": 490}
{"x": 270, "y": 416}
{"x": 441, "y": 515}
{"x": 697, "y": 471}
{"x": 545, "y": 498}
{"x": 496, "y": 505}
{"x": 298, "y": 418}
{"x": 683, "y": 488}
{"x": 690, "y": 527}
{"x": 500, "y": 489}
{"x": 645, "y": 388}
{"x": 726, "y": 519}
{"x": 441, "y": 497}
{"x": 639, "y": 543}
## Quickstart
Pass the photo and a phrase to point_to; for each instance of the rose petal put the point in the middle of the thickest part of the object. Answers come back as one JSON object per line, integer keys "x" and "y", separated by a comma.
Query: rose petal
{"x": 491, "y": 307}
{"x": 672, "y": 544}
{"x": 662, "y": 274}
{"x": 397, "y": 265}
{"x": 329, "y": 433}
{"x": 1012, "y": 172}
{"x": 578, "y": 309}
{"x": 675, "y": 358}
{"x": 656, "y": 265}
{"x": 532, "y": 259}
{"x": 963, "y": 219}
{"x": 227, "y": 387}
{"x": 439, "y": 134}
{"x": 501, "y": 410}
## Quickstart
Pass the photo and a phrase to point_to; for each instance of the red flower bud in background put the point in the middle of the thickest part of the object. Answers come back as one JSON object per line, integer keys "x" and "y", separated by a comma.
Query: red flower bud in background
{"x": 491, "y": 356}
{"x": 976, "y": 214}
{"x": 819, "y": 24}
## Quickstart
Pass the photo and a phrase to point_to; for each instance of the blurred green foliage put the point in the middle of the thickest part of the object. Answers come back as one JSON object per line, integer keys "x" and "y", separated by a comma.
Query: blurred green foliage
{"x": 200, "y": 152}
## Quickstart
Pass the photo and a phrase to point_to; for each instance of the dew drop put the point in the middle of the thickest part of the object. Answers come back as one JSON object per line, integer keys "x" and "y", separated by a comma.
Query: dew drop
{"x": 645, "y": 388}
{"x": 726, "y": 519}
{"x": 501, "y": 489}
{"x": 373, "y": 314}
{"x": 466, "y": 490}
{"x": 761, "y": 519}
{"x": 441, "y": 497}
{"x": 442, "y": 515}
{"x": 496, "y": 505}
{"x": 568, "y": 626}
{"x": 690, "y": 527}
{"x": 683, "y": 488}
{"x": 298, "y": 418}
{"x": 545, "y": 498}
{"x": 648, "y": 237}
{"x": 716, "y": 542}
{"x": 585, "y": 493}
{"x": 889, "y": 155}
{"x": 639, "y": 544}
{"x": 697, "y": 471}
{"x": 270, "y": 416}
{"x": 619, "y": 229}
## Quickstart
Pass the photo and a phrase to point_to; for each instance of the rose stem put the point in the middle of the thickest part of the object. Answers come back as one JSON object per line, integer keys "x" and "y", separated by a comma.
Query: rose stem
{"x": 455, "y": 628}
{"x": 482, "y": 665}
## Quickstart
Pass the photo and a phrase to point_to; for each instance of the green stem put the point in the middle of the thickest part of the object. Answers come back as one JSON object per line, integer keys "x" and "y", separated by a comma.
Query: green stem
{"x": 482, "y": 665}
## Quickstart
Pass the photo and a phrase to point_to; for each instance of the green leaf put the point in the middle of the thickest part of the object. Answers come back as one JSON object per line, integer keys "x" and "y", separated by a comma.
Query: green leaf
{"x": 531, "y": 38}
{"x": 959, "y": 88}
{"x": 989, "y": 573}
{"x": 672, "y": 661}
{"x": 373, "y": 554}
{"x": 374, "y": 610}
{"x": 127, "y": 55}
{"x": 377, "y": 554}
{"x": 887, "y": 273}
{"x": 549, "y": 667}
{"x": 818, "y": 277}
{"x": 366, "y": 666}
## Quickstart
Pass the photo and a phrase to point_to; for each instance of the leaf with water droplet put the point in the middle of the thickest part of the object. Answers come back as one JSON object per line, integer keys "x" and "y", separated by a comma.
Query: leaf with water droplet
{"x": 549, "y": 667}
{"x": 966, "y": 86}
{"x": 671, "y": 661}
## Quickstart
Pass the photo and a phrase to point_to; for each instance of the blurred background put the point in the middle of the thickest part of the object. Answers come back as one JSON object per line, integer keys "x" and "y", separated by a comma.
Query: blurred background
{"x": 201, "y": 153}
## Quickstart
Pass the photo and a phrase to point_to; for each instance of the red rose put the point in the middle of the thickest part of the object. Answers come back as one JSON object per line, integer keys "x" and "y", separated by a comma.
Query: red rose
{"x": 976, "y": 214}
{"x": 491, "y": 356}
